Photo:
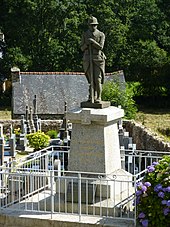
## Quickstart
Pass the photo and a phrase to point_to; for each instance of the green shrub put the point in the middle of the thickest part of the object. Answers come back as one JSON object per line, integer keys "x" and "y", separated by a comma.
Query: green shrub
{"x": 38, "y": 140}
{"x": 120, "y": 96}
{"x": 52, "y": 134}
{"x": 17, "y": 131}
{"x": 153, "y": 195}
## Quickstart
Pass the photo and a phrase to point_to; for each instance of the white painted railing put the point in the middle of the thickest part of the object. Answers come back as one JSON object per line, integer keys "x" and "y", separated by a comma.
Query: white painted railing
{"x": 41, "y": 183}
{"x": 72, "y": 193}
{"x": 43, "y": 159}
{"x": 135, "y": 161}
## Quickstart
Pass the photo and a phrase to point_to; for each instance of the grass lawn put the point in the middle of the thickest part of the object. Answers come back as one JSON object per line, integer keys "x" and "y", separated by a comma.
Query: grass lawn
{"x": 5, "y": 114}
{"x": 157, "y": 121}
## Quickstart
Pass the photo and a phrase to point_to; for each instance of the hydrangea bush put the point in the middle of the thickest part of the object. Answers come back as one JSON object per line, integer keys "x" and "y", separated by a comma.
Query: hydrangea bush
{"x": 153, "y": 195}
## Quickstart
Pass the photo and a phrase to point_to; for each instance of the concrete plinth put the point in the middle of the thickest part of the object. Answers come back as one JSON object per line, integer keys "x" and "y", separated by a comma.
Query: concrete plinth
{"x": 99, "y": 105}
{"x": 95, "y": 141}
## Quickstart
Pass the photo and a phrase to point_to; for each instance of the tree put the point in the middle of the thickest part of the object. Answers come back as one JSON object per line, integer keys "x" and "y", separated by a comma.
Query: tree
{"x": 46, "y": 36}
{"x": 119, "y": 96}
{"x": 149, "y": 55}
{"x": 46, "y": 32}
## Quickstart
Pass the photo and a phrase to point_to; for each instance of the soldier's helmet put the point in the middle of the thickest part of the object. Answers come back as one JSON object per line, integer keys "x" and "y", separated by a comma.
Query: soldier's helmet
{"x": 93, "y": 20}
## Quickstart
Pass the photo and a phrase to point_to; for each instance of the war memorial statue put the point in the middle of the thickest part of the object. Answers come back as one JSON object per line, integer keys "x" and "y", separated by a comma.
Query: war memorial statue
{"x": 92, "y": 43}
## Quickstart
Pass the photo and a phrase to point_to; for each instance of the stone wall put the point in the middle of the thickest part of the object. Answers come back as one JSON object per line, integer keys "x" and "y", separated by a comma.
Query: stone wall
{"x": 144, "y": 138}
{"x": 46, "y": 125}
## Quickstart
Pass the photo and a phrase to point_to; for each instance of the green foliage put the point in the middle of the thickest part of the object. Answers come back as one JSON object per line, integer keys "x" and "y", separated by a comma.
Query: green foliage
{"x": 52, "y": 134}
{"x": 164, "y": 131}
{"x": 38, "y": 140}
{"x": 5, "y": 99}
{"x": 153, "y": 195}
{"x": 47, "y": 34}
{"x": 149, "y": 65}
{"x": 120, "y": 95}
{"x": 16, "y": 57}
{"x": 17, "y": 131}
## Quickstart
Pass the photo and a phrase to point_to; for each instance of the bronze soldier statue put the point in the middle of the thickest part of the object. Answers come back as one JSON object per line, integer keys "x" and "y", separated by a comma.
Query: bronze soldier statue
{"x": 92, "y": 43}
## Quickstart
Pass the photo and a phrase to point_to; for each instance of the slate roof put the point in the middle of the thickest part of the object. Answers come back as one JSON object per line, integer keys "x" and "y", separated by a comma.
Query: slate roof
{"x": 52, "y": 90}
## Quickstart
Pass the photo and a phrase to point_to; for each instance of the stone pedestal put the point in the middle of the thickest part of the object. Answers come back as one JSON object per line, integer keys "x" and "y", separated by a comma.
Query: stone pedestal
{"x": 94, "y": 148}
{"x": 95, "y": 141}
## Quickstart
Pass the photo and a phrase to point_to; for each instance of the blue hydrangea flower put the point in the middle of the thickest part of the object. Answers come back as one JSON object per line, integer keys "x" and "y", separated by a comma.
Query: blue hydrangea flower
{"x": 144, "y": 188}
{"x": 164, "y": 202}
{"x": 139, "y": 184}
{"x": 147, "y": 184}
{"x": 137, "y": 200}
{"x": 139, "y": 192}
{"x": 155, "y": 163}
{"x": 164, "y": 189}
{"x": 161, "y": 194}
{"x": 168, "y": 203}
{"x": 158, "y": 187}
{"x": 168, "y": 189}
{"x": 145, "y": 223}
{"x": 166, "y": 211}
{"x": 150, "y": 169}
{"x": 141, "y": 215}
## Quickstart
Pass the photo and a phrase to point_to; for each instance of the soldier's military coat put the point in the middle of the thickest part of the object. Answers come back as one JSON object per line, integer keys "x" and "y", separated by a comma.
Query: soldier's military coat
{"x": 98, "y": 56}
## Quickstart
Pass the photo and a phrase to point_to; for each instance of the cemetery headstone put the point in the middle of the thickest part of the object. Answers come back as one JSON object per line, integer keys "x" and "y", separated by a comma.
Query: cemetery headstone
{"x": 23, "y": 125}
{"x": 31, "y": 121}
{"x": 36, "y": 120}
{"x": 64, "y": 134}
{"x": 12, "y": 145}
{"x": 27, "y": 120}
{"x": 1, "y": 145}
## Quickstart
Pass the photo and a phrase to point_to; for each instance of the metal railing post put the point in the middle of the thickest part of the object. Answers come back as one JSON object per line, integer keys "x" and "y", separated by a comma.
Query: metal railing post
{"x": 52, "y": 192}
{"x": 79, "y": 196}
{"x": 135, "y": 210}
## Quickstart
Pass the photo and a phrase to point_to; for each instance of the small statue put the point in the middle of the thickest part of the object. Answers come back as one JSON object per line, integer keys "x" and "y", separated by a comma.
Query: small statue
{"x": 92, "y": 43}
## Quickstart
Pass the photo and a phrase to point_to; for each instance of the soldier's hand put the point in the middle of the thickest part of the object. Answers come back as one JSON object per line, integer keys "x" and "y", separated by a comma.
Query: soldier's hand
{"x": 91, "y": 40}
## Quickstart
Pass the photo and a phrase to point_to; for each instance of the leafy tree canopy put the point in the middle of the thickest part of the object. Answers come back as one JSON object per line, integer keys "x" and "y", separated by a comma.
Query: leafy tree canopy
{"x": 45, "y": 36}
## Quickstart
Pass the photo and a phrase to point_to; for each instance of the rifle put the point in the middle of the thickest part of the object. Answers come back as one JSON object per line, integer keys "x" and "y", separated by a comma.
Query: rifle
{"x": 91, "y": 75}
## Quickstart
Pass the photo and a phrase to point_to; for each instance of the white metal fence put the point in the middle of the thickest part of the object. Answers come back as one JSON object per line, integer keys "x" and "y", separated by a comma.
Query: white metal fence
{"x": 135, "y": 161}
{"x": 71, "y": 193}
{"x": 41, "y": 160}
{"x": 41, "y": 183}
